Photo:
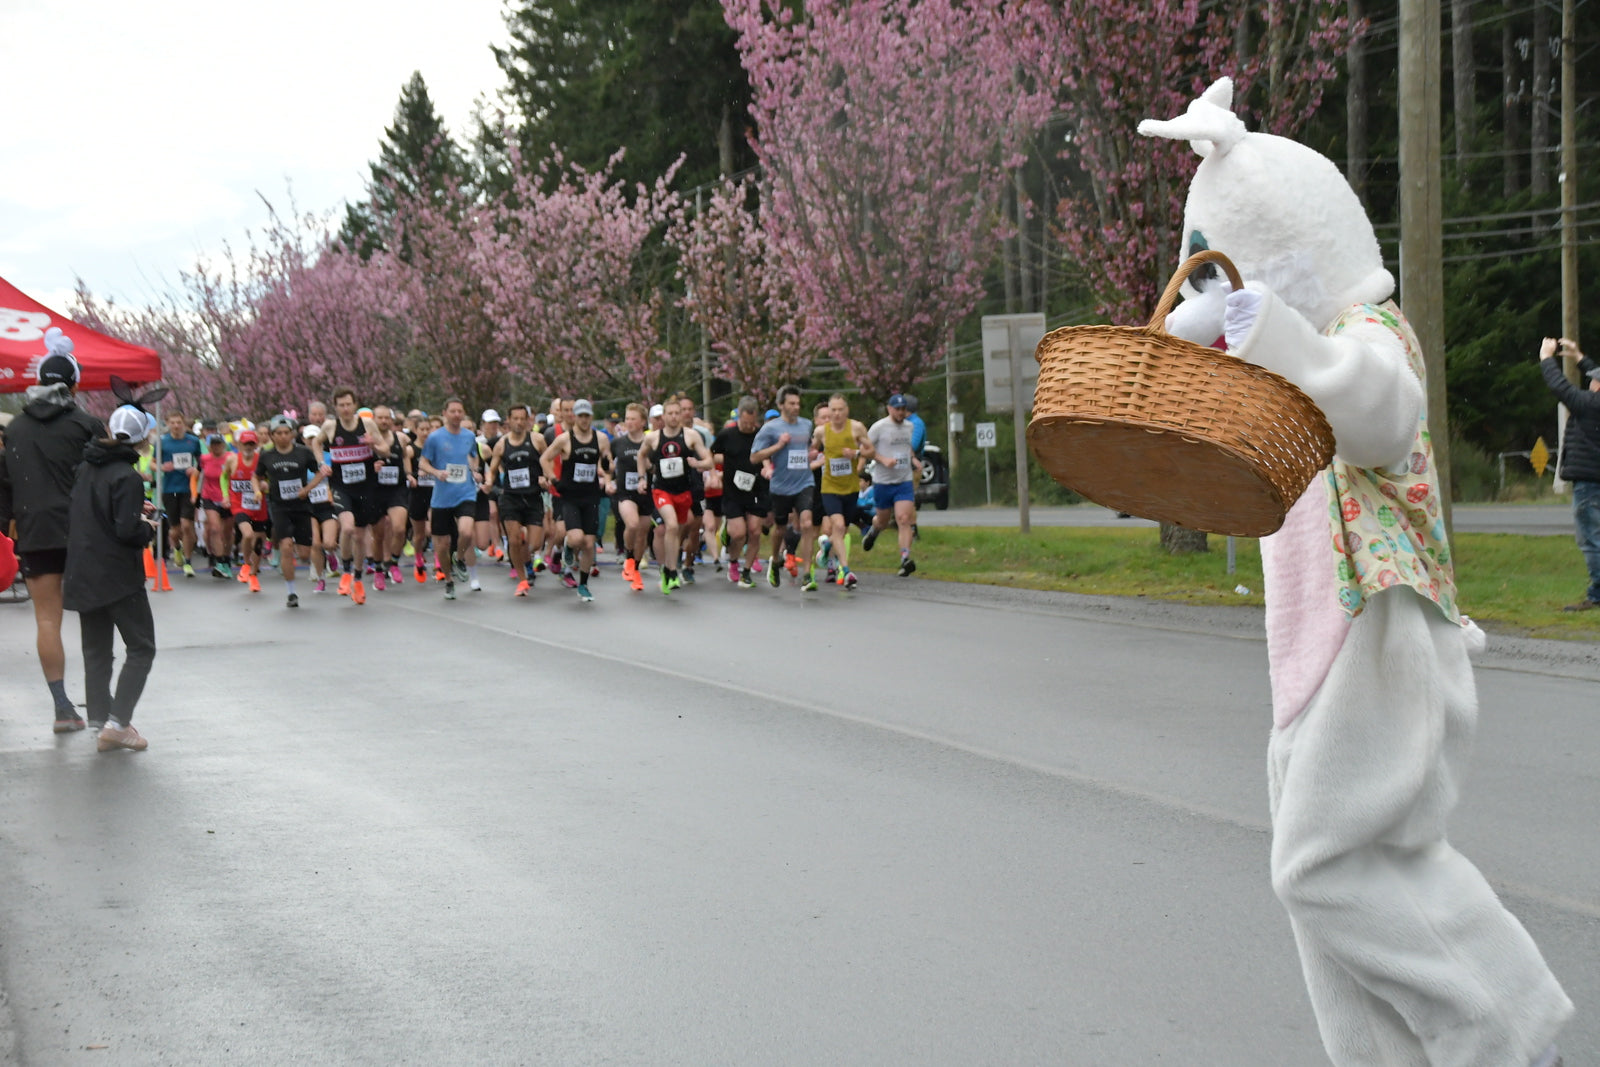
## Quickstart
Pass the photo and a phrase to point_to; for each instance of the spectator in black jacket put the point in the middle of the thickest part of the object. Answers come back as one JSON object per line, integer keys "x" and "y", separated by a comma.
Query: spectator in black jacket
{"x": 111, "y": 524}
{"x": 1580, "y": 453}
{"x": 44, "y": 445}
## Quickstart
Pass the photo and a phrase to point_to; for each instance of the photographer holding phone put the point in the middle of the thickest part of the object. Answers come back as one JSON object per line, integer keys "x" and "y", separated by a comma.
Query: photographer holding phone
{"x": 1580, "y": 453}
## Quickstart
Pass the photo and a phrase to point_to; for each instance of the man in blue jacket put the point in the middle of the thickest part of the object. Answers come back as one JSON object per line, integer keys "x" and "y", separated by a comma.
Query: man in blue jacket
{"x": 1580, "y": 453}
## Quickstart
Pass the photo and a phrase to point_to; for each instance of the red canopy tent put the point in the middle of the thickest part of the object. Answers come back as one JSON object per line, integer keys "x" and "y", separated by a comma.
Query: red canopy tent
{"x": 23, "y": 322}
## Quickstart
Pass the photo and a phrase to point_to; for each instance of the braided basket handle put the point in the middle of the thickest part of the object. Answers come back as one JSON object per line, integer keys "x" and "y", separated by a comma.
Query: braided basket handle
{"x": 1158, "y": 318}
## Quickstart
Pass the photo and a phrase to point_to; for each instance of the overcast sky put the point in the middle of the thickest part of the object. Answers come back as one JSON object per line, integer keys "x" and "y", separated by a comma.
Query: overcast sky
{"x": 136, "y": 136}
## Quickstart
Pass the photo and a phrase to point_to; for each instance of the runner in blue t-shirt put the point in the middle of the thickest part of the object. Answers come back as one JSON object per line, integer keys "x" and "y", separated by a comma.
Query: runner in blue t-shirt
{"x": 786, "y": 440}
{"x": 180, "y": 455}
{"x": 450, "y": 457}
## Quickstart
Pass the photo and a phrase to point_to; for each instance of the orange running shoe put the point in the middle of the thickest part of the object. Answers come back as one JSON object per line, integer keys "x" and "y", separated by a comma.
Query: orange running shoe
{"x": 359, "y": 593}
{"x": 522, "y": 588}
{"x": 344, "y": 583}
{"x": 244, "y": 573}
{"x": 255, "y": 584}
{"x": 792, "y": 565}
{"x": 422, "y": 575}
{"x": 629, "y": 568}
{"x": 636, "y": 580}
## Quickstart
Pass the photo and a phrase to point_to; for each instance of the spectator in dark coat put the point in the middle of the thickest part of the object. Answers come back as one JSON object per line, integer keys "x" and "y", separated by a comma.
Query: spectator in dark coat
{"x": 44, "y": 445}
{"x": 1580, "y": 453}
{"x": 105, "y": 575}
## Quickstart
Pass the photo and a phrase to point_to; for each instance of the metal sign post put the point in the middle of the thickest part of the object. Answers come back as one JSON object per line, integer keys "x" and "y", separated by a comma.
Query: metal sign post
{"x": 984, "y": 432}
{"x": 1010, "y": 375}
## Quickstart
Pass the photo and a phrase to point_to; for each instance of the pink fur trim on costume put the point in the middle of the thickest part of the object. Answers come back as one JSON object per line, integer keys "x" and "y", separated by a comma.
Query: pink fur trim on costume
{"x": 1305, "y": 625}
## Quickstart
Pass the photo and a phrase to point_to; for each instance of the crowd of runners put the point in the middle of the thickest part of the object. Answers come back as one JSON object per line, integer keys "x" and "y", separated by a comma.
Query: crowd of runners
{"x": 365, "y": 497}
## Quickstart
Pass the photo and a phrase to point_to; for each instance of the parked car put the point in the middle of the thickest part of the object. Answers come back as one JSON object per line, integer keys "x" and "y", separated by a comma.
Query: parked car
{"x": 935, "y": 486}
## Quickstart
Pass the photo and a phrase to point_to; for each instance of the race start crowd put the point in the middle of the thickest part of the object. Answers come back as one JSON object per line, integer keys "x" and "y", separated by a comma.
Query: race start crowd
{"x": 358, "y": 494}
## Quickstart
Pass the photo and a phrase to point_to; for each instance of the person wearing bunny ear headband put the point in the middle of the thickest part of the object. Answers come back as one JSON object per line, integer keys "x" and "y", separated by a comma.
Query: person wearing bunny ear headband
{"x": 1408, "y": 955}
{"x": 111, "y": 524}
{"x": 44, "y": 445}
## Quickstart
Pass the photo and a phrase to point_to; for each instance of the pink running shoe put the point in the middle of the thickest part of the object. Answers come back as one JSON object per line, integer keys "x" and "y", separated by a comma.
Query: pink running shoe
{"x": 394, "y": 574}
{"x": 321, "y": 586}
{"x": 568, "y": 580}
{"x": 733, "y": 572}
{"x": 377, "y": 579}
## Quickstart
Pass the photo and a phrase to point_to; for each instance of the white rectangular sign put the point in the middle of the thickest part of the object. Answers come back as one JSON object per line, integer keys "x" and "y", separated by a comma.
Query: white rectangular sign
{"x": 985, "y": 432}
{"x": 998, "y": 331}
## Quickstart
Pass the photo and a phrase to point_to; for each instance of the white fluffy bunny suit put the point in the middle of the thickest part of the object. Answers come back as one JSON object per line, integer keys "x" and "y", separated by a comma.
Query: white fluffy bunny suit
{"x": 1409, "y": 957}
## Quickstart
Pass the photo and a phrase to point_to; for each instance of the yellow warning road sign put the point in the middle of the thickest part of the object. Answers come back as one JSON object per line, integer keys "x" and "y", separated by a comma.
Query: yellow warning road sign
{"x": 1539, "y": 457}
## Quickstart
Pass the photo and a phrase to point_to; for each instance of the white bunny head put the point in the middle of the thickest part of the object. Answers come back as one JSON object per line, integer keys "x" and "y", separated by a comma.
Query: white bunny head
{"x": 1281, "y": 211}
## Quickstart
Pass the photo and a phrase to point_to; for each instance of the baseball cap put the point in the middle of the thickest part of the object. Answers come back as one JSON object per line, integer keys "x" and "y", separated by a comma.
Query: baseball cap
{"x": 772, "y": 413}
{"x": 583, "y": 407}
{"x": 59, "y": 368}
{"x": 657, "y": 411}
{"x": 309, "y": 432}
{"x": 898, "y": 400}
{"x": 279, "y": 422}
{"x": 128, "y": 424}
{"x": 614, "y": 417}
{"x": 490, "y": 415}
{"x": 247, "y": 437}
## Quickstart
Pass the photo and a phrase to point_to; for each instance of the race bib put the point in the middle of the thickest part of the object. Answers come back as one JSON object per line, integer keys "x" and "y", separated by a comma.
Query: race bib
{"x": 248, "y": 500}
{"x": 318, "y": 494}
{"x": 425, "y": 481}
{"x": 455, "y": 473}
{"x": 630, "y": 481}
{"x": 389, "y": 475}
{"x": 182, "y": 461}
{"x": 583, "y": 472}
{"x": 520, "y": 479}
{"x": 798, "y": 460}
{"x": 351, "y": 473}
{"x": 744, "y": 481}
{"x": 289, "y": 489}
{"x": 841, "y": 467}
{"x": 672, "y": 467}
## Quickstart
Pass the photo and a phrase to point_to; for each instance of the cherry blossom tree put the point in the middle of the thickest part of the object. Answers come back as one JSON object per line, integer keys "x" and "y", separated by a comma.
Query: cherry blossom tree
{"x": 738, "y": 294}
{"x": 1120, "y": 61}
{"x": 887, "y": 129}
{"x": 573, "y": 281}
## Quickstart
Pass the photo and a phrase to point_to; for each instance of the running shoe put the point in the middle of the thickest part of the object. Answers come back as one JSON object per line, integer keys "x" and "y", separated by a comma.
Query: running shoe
{"x": 810, "y": 584}
{"x": 255, "y": 584}
{"x": 188, "y": 569}
{"x": 460, "y": 574}
{"x": 293, "y": 601}
{"x": 221, "y": 570}
{"x": 523, "y": 587}
{"x": 774, "y": 570}
{"x": 114, "y": 736}
{"x": 637, "y": 581}
{"x": 321, "y": 586}
{"x": 868, "y": 538}
{"x": 791, "y": 563}
{"x": 474, "y": 586}
{"x": 344, "y": 583}
{"x": 584, "y": 594}
{"x": 747, "y": 580}
{"x": 666, "y": 583}
{"x": 733, "y": 573}
{"x": 907, "y": 565}
{"x": 438, "y": 574}
{"x": 243, "y": 573}
{"x": 422, "y": 575}
{"x": 594, "y": 572}
{"x": 833, "y": 573}
{"x": 449, "y": 590}
{"x": 539, "y": 564}
{"x": 568, "y": 580}
{"x": 358, "y": 593}
{"x": 377, "y": 580}
{"x": 70, "y": 724}
{"x": 824, "y": 545}
{"x": 850, "y": 580}
{"x": 394, "y": 574}
{"x": 330, "y": 562}
{"x": 687, "y": 575}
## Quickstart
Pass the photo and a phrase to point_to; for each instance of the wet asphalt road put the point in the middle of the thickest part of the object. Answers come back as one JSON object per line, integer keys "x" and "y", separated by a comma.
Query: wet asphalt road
{"x": 924, "y": 825}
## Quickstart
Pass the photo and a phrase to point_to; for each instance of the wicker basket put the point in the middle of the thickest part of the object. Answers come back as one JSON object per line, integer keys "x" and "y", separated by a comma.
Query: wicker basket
{"x": 1144, "y": 422}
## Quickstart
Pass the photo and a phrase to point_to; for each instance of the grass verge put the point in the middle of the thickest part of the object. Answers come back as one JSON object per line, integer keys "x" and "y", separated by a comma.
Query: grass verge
{"x": 1509, "y": 583}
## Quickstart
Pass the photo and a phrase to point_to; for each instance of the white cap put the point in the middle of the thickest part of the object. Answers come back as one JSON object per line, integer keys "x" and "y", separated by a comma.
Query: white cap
{"x": 489, "y": 416}
{"x": 657, "y": 411}
{"x": 128, "y": 424}
{"x": 308, "y": 431}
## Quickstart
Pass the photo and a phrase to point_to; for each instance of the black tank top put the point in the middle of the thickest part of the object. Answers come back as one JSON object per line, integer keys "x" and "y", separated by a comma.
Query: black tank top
{"x": 580, "y": 471}
{"x": 519, "y": 466}
{"x": 625, "y": 463}
{"x": 350, "y": 456}
{"x": 672, "y": 464}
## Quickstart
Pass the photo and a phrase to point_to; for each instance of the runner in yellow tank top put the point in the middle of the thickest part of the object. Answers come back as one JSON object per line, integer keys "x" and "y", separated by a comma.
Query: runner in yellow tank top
{"x": 843, "y": 443}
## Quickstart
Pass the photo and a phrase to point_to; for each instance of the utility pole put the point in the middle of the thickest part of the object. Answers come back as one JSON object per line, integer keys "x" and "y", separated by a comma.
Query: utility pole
{"x": 1422, "y": 215}
{"x": 1569, "y": 178}
{"x": 705, "y": 350}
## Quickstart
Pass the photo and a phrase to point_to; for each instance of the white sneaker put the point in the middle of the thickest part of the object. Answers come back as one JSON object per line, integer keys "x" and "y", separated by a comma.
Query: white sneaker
{"x": 114, "y": 736}
{"x": 475, "y": 587}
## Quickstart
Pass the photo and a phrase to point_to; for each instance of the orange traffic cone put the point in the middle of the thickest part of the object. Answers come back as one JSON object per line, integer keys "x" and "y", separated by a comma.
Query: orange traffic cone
{"x": 149, "y": 562}
{"x": 161, "y": 570}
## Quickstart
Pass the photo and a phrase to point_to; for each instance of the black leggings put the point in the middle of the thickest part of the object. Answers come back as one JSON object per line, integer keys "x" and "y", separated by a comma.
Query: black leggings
{"x": 131, "y": 618}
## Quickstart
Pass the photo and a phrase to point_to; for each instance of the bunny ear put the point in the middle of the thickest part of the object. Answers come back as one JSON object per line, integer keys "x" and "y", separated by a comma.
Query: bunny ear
{"x": 1209, "y": 124}
{"x": 154, "y": 396}
{"x": 123, "y": 391}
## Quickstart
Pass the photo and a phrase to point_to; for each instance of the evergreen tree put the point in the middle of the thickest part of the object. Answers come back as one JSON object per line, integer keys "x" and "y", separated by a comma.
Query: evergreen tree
{"x": 417, "y": 160}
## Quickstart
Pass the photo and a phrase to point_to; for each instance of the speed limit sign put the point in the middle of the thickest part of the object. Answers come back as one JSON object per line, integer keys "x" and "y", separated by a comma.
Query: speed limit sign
{"x": 985, "y": 433}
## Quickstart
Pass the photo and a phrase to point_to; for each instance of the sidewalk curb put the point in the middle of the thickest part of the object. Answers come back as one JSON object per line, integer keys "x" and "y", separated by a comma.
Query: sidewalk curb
{"x": 1565, "y": 659}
